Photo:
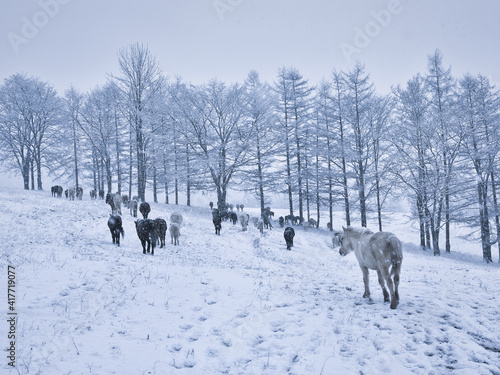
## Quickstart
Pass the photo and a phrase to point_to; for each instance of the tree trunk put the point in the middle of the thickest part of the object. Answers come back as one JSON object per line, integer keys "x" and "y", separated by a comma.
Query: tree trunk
{"x": 118, "y": 164}
{"x": 484, "y": 220}
{"x": 32, "y": 171}
{"x": 188, "y": 178}
{"x": 497, "y": 212}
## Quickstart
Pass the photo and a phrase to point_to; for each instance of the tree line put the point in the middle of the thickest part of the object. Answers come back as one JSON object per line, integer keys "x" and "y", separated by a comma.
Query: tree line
{"x": 433, "y": 142}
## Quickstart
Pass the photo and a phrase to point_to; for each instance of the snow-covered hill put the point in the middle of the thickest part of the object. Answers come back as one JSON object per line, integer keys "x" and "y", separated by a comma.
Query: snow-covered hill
{"x": 238, "y": 303}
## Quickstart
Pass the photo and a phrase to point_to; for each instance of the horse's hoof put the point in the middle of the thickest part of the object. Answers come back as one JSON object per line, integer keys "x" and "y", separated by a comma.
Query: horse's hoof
{"x": 394, "y": 305}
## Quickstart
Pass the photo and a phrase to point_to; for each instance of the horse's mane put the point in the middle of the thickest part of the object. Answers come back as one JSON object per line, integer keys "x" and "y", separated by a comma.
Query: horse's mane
{"x": 358, "y": 232}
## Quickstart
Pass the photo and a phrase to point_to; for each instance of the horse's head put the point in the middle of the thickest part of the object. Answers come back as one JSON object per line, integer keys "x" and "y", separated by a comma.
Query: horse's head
{"x": 345, "y": 243}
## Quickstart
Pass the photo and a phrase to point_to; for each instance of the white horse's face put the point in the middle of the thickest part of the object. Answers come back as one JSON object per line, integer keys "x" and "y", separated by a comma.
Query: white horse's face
{"x": 346, "y": 245}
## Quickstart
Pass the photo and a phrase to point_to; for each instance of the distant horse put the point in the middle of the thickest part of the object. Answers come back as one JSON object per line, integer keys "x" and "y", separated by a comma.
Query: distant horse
{"x": 381, "y": 251}
{"x": 101, "y": 194}
{"x": 125, "y": 200}
{"x": 267, "y": 220}
{"x": 56, "y": 191}
{"x": 244, "y": 221}
{"x": 289, "y": 234}
{"x": 145, "y": 209}
{"x": 233, "y": 217}
{"x": 116, "y": 228}
{"x": 79, "y": 193}
{"x": 93, "y": 194}
{"x": 147, "y": 233}
{"x": 281, "y": 220}
{"x": 71, "y": 194}
{"x": 290, "y": 219}
{"x": 117, "y": 201}
{"x": 175, "y": 232}
{"x": 161, "y": 227}
{"x": 216, "y": 219}
{"x": 132, "y": 205}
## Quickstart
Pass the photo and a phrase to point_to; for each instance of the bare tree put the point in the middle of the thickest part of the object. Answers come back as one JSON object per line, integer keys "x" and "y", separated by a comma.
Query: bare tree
{"x": 440, "y": 86}
{"x": 412, "y": 137}
{"x": 358, "y": 95}
{"x": 258, "y": 176}
{"x": 339, "y": 104}
{"x": 29, "y": 113}
{"x": 139, "y": 84}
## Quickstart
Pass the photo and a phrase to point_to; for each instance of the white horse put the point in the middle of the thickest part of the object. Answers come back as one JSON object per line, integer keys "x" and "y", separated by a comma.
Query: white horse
{"x": 175, "y": 232}
{"x": 380, "y": 251}
{"x": 244, "y": 221}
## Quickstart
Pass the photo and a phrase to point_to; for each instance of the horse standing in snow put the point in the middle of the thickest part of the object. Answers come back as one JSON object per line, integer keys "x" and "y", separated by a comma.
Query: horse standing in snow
{"x": 381, "y": 251}
{"x": 147, "y": 233}
{"x": 125, "y": 200}
{"x": 244, "y": 221}
{"x": 289, "y": 234}
{"x": 56, "y": 191}
{"x": 145, "y": 209}
{"x": 175, "y": 232}
{"x": 216, "y": 219}
{"x": 117, "y": 200}
{"x": 79, "y": 193}
{"x": 133, "y": 207}
{"x": 116, "y": 228}
{"x": 161, "y": 226}
{"x": 281, "y": 220}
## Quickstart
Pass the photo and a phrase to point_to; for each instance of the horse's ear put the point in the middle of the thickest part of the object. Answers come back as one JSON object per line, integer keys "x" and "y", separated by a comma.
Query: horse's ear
{"x": 344, "y": 228}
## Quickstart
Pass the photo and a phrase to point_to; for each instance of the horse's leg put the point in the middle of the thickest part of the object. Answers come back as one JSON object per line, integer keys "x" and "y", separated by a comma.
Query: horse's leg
{"x": 366, "y": 281}
{"x": 143, "y": 246}
{"x": 382, "y": 284}
{"x": 396, "y": 283}
{"x": 387, "y": 276}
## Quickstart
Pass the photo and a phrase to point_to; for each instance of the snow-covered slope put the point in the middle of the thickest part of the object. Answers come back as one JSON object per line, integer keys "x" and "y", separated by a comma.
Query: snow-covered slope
{"x": 238, "y": 303}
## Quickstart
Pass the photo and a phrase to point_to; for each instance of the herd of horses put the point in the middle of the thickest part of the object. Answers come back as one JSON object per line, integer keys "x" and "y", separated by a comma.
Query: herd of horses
{"x": 381, "y": 251}
{"x": 150, "y": 232}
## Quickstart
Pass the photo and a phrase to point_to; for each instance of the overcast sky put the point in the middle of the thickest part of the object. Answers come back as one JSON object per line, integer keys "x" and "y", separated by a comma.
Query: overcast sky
{"x": 76, "y": 42}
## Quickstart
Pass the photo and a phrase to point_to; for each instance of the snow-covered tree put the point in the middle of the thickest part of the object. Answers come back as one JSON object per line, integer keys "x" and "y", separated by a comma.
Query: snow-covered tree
{"x": 359, "y": 92}
{"x": 139, "y": 82}
{"x": 259, "y": 175}
{"x": 29, "y": 114}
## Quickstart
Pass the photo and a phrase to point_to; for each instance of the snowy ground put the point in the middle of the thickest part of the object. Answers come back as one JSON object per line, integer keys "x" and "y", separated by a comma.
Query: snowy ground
{"x": 235, "y": 304}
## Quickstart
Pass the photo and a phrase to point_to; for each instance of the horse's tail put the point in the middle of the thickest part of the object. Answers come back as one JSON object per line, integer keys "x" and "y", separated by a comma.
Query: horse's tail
{"x": 122, "y": 232}
{"x": 397, "y": 253}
